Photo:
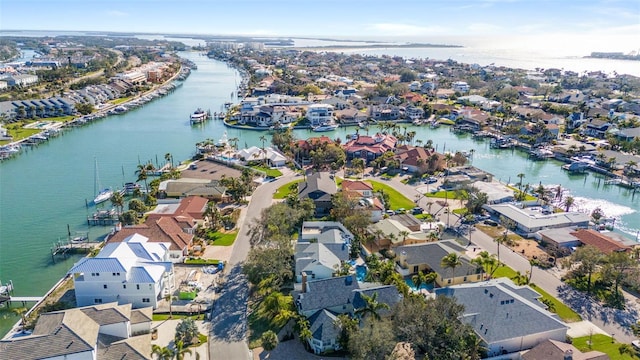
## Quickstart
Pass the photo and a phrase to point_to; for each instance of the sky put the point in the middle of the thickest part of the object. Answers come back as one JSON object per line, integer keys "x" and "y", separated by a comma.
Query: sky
{"x": 615, "y": 23}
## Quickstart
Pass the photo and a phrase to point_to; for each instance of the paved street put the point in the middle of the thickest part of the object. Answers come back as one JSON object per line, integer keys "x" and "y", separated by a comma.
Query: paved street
{"x": 229, "y": 318}
{"x": 614, "y": 322}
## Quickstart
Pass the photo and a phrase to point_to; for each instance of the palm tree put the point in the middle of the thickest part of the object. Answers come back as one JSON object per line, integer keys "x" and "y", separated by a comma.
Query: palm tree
{"x": 117, "y": 200}
{"x": 626, "y": 349}
{"x": 305, "y": 332}
{"x": 269, "y": 340}
{"x": 21, "y": 311}
{"x": 520, "y": 279}
{"x": 358, "y": 165}
{"x": 404, "y": 234}
{"x": 263, "y": 139}
{"x": 451, "y": 261}
{"x": 371, "y": 306}
{"x": 486, "y": 261}
{"x": 568, "y": 203}
{"x": 181, "y": 350}
{"x": 278, "y": 307}
{"x": 521, "y": 176}
{"x": 169, "y": 298}
{"x": 163, "y": 353}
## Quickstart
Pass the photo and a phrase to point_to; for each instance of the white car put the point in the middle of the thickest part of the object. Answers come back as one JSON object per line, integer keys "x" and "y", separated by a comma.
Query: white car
{"x": 636, "y": 344}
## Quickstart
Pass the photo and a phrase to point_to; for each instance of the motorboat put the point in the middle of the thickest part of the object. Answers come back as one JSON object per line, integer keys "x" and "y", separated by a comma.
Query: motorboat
{"x": 199, "y": 116}
{"x": 325, "y": 127}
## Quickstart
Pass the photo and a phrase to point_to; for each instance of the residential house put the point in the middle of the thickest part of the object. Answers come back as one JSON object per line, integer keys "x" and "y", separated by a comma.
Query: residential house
{"x": 322, "y": 300}
{"x": 319, "y": 114}
{"x": 496, "y": 192}
{"x": 417, "y": 159}
{"x": 531, "y": 220}
{"x": 396, "y": 231}
{"x": 385, "y": 112}
{"x": 369, "y": 147}
{"x": 185, "y": 187}
{"x": 560, "y": 239}
{"x": 428, "y": 256}
{"x": 350, "y": 116}
{"x": 321, "y": 249}
{"x": 597, "y": 128}
{"x": 558, "y": 350}
{"x": 506, "y": 317}
{"x": 600, "y": 241}
{"x": 414, "y": 112}
{"x": 100, "y": 332}
{"x": 319, "y": 187}
{"x": 271, "y": 155}
{"x": 134, "y": 271}
{"x": 302, "y": 148}
{"x": 628, "y": 134}
{"x": 363, "y": 188}
{"x": 460, "y": 86}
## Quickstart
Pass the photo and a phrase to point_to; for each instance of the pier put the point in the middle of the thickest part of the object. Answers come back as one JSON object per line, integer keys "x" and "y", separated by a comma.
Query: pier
{"x": 73, "y": 247}
{"x": 22, "y": 299}
{"x": 103, "y": 218}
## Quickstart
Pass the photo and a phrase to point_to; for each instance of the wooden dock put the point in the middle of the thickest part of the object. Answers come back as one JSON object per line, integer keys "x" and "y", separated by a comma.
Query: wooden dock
{"x": 70, "y": 247}
{"x": 103, "y": 218}
{"x": 7, "y": 299}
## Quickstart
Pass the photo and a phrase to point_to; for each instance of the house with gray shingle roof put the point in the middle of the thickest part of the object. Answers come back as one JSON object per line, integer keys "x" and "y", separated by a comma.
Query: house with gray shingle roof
{"x": 319, "y": 187}
{"x": 101, "y": 332}
{"x": 321, "y": 249}
{"x": 321, "y": 300}
{"x": 134, "y": 271}
{"x": 427, "y": 257}
{"x": 507, "y": 318}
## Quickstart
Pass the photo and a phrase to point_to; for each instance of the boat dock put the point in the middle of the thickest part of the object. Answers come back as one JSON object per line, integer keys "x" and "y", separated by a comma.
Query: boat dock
{"x": 103, "y": 218}
{"x": 73, "y": 247}
{"x": 6, "y": 295}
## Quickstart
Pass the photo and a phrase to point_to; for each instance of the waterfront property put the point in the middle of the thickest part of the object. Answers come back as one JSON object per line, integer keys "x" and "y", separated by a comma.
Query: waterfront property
{"x": 134, "y": 271}
{"x": 369, "y": 147}
{"x": 106, "y": 331}
{"x": 507, "y": 318}
{"x": 530, "y": 220}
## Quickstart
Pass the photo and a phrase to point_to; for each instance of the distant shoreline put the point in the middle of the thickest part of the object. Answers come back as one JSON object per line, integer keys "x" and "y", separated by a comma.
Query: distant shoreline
{"x": 377, "y": 46}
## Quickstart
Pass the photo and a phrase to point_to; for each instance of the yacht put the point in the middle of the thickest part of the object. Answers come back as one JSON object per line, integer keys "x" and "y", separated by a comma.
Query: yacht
{"x": 199, "y": 116}
{"x": 325, "y": 127}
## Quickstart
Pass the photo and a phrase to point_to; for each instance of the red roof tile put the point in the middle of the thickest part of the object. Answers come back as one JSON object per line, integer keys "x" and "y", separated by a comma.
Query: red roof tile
{"x": 357, "y": 185}
{"x": 599, "y": 241}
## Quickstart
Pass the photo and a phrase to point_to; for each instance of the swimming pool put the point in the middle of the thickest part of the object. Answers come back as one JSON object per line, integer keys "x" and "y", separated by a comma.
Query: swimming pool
{"x": 413, "y": 287}
{"x": 361, "y": 272}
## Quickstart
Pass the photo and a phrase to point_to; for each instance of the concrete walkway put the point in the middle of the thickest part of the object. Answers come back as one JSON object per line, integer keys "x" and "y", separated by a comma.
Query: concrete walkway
{"x": 167, "y": 332}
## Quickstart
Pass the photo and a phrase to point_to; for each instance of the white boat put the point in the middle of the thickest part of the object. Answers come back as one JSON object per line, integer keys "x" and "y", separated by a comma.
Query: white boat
{"x": 325, "y": 127}
{"x": 199, "y": 116}
{"x": 614, "y": 181}
{"x": 103, "y": 196}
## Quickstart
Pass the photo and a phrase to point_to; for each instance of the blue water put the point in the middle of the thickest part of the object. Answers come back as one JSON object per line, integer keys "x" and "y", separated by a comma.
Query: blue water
{"x": 361, "y": 272}
{"x": 413, "y": 287}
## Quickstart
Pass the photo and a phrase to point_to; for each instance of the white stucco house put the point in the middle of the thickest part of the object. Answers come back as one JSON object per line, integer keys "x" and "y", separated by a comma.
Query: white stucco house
{"x": 134, "y": 271}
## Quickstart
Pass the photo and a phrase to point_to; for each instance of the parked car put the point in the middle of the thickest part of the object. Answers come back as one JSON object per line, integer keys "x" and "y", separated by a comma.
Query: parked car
{"x": 430, "y": 180}
{"x": 636, "y": 344}
{"x": 390, "y": 212}
{"x": 491, "y": 223}
{"x": 401, "y": 211}
{"x": 417, "y": 210}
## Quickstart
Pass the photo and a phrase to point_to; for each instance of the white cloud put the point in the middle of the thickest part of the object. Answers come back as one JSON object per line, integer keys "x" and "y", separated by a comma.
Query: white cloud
{"x": 391, "y": 29}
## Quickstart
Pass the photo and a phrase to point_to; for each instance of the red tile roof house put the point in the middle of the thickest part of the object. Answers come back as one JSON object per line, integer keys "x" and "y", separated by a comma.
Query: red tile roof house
{"x": 369, "y": 147}
{"x": 363, "y": 191}
{"x": 600, "y": 241}
{"x": 417, "y": 158}
{"x": 176, "y": 228}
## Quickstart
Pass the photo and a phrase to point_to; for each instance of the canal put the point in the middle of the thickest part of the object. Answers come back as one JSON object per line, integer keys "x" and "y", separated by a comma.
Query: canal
{"x": 45, "y": 189}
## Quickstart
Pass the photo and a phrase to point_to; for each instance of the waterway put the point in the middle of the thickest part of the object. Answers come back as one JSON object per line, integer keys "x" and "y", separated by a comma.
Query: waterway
{"x": 45, "y": 189}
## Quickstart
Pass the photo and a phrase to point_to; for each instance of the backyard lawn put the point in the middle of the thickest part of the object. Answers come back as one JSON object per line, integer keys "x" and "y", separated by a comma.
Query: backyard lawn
{"x": 286, "y": 189}
{"x": 268, "y": 171}
{"x": 222, "y": 239}
{"x": 396, "y": 199}
{"x": 602, "y": 343}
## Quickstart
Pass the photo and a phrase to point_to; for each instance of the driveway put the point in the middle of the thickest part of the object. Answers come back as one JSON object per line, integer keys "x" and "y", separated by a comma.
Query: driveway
{"x": 229, "y": 314}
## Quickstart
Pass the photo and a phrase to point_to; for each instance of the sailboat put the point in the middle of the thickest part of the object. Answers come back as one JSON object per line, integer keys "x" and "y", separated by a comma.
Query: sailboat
{"x": 104, "y": 194}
